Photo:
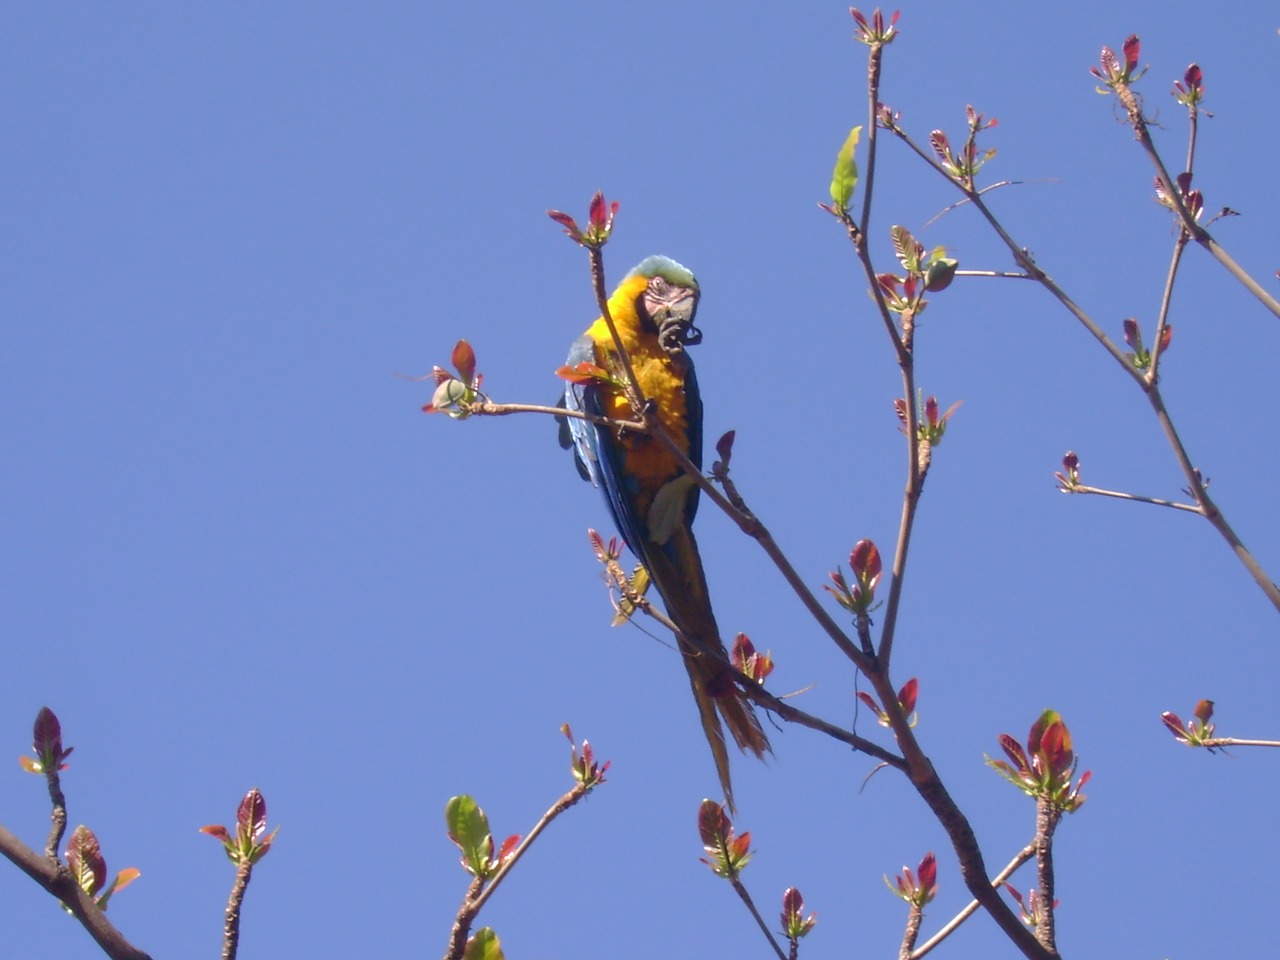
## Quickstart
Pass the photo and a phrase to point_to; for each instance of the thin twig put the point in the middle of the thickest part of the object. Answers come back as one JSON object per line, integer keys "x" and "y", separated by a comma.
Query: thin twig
{"x": 1197, "y": 488}
{"x": 1138, "y": 122}
{"x": 988, "y": 188}
{"x": 481, "y": 889}
{"x": 58, "y": 815}
{"x": 906, "y": 521}
{"x": 1023, "y": 855}
{"x": 1022, "y": 257}
{"x": 1137, "y": 498}
{"x": 1195, "y": 485}
{"x": 764, "y": 927}
{"x": 875, "y": 57}
{"x": 1002, "y": 274}
{"x": 1166, "y": 300}
{"x": 487, "y": 408}
{"x": 1236, "y": 742}
{"x": 579, "y": 791}
{"x": 1179, "y": 247}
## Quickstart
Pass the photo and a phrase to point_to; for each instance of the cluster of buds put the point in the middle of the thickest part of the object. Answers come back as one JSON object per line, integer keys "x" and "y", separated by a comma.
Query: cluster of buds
{"x": 874, "y": 31}
{"x": 248, "y": 844}
{"x": 46, "y": 743}
{"x": 585, "y": 769}
{"x": 1069, "y": 476}
{"x": 902, "y": 295}
{"x": 727, "y": 853}
{"x": 1140, "y": 356}
{"x": 599, "y": 223}
{"x": 916, "y": 888}
{"x": 746, "y": 659}
{"x": 963, "y": 165}
{"x": 630, "y": 589}
{"x": 1196, "y": 730}
{"x": 468, "y": 827}
{"x": 1190, "y": 90}
{"x": 906, "y": 703}
{"x": 923, "y": 272}
{"x": 794, "y": 923}
{"x": 455, "y": 394}
{"x": 932, "y": 425}
{"x": 1046, "y": 768}
{"x": 1115, "y": 72}
{"x": 934, "y": 271}
{"x": 864, "y": 563}
{"x": 1030, "y": 907}
{"x": 889, "y": 118}
{"x": 1193, "y": 200}
{"x": 89, "y": 868}
{"x": 606, "y": 553}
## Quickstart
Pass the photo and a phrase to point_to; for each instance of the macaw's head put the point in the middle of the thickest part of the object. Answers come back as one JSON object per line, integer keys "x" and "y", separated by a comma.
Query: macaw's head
{"x": 668, "y": 302}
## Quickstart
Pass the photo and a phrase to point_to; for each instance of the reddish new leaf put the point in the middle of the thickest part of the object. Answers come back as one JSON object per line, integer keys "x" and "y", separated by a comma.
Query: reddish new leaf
{"x": 464, "y": 361}
{"x": 927, "y": 875}
{"x": 713, "y": 824}
{"x": 1132, "y": 50}
{"x": 508, "y": 847}
{"x": 251, "y": 817}
{"x": 865, "y": 561}
{"x": 1013, "y": 749}
{"x": 47, "y": 733}
{"x": 85, "y": 861}
{"x": 583, "y": 373}
{"x": 907, "y": 695}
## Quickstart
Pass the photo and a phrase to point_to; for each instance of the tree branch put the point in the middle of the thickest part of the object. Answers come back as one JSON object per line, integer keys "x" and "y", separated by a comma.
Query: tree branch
{"x": 1023, "y": 855}
{"x": 55, "y": 878}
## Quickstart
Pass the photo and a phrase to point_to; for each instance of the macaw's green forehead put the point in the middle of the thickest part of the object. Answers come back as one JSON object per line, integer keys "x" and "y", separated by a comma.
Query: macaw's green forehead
{"x": 667, "y": 269}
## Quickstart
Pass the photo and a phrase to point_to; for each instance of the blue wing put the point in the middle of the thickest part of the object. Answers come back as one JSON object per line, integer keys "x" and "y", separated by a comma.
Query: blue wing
{"x": 601, "y": 459}
{"x": 599, "y": 456}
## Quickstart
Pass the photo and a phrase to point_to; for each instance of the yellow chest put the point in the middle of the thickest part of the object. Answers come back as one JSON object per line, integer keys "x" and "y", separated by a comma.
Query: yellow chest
{"x": 662, "y": 377}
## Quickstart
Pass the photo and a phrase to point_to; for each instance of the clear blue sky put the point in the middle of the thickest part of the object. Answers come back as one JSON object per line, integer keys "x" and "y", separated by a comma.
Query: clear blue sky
{"x": 236, "y": 554}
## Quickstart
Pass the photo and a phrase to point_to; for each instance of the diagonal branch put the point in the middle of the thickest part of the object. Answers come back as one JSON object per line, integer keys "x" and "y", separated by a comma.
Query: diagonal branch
{"x": 950, "y": 927}
{"x": 1138, "y": 122}
{"x": 1196, "y": 486}
{"x": 56, "y": 879}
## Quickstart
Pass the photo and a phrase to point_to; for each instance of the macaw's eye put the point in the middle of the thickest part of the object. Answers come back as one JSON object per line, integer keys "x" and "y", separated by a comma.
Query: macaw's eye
{"x": 659, "y": 286}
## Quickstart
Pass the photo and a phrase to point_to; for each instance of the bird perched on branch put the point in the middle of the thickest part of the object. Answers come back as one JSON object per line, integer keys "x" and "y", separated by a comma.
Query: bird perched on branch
{"x": 651, "y": 497}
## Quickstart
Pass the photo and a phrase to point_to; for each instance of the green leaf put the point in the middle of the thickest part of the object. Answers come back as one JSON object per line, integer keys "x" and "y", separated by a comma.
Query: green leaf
{"x": 667, "y": 513}
{"x": 845, "y": 176}
{"x": 941, "y": 272}
{"x": 484, "y": 945}
{"x": 469, "y": 828}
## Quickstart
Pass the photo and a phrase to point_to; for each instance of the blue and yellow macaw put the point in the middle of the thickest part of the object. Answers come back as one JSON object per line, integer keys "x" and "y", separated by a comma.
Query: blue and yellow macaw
{"x": 651, "y": 498}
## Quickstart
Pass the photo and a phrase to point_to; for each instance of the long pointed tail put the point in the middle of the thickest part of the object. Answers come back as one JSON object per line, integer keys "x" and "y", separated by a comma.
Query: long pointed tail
{"x": 677, "y": 572}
